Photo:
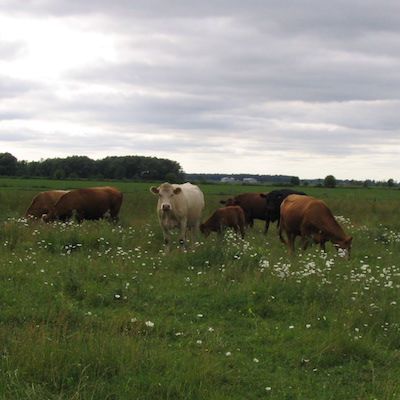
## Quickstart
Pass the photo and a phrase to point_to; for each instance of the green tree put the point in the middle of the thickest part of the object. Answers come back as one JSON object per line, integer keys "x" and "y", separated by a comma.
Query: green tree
{"x": 390, "y": 182}
{"x": 8, "y": 164}
{"x": 59, "y": 174}
{"x": 295, "y": 181}
{"x": 330, "y": 181}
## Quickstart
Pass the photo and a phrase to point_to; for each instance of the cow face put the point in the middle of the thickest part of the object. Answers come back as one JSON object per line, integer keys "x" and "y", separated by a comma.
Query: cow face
{"x": 48, "y": 217}
{"x": 165, "y": 194}
{"x": 229, "y": 202}
{"x": 205, "y": 230}
{"x": 345, "y": 245}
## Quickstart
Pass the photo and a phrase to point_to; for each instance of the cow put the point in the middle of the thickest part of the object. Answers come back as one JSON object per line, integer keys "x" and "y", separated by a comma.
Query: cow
{"x": 225, "y": 217}
{"x": 87, "y": 204}
{"x": 43, "y": 202}
{"x": 253, "y": 206}
{"x": 273, "y": 201}
{"x": 178, "y": 206}
{"x": 311, "y": 219}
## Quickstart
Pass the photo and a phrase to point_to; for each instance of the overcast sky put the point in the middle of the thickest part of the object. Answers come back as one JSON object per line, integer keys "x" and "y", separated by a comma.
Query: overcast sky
{"x": 306, "y": 88}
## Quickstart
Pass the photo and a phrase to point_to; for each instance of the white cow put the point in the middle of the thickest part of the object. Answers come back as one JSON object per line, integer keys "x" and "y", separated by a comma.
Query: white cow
{"x": 179, "y": 206}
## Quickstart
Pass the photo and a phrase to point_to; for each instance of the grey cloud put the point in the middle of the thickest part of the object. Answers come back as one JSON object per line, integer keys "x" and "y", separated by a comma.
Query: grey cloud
{"x": 299, "y": 78}
{"x": 11, "y": 87}
{"x": 11, "y": 49}
{"x": 13, "y": 135}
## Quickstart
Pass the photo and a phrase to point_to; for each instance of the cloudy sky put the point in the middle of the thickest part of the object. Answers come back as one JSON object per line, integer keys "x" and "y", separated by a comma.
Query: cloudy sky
{"x": 304, "y": 88}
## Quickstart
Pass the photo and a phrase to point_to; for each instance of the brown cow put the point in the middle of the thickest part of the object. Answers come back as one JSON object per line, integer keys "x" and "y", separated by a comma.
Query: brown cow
{"x": 90, "y": 203}
{"x": 253, "y": 205}
{"x": 310, "y": 218}
{"x": 225, "y": 217}
{"x": 43, "y": 202}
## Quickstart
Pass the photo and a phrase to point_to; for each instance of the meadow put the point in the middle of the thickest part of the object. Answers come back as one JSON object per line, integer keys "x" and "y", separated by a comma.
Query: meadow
{"x": 97, "y": 311}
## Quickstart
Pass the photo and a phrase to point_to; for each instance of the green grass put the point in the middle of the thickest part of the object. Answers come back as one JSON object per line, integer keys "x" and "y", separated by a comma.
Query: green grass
{"x": 232, "y": 319}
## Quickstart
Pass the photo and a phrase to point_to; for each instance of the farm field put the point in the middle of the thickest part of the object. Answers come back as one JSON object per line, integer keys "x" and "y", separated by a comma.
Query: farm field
{"x": 97, "y": 311}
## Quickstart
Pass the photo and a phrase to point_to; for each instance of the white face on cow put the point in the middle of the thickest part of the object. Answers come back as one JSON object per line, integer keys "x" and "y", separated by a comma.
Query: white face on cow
{"x": 165, "y": 193}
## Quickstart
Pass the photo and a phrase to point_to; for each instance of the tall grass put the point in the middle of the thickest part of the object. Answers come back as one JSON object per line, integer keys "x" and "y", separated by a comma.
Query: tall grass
{"x": 97, "y": 311}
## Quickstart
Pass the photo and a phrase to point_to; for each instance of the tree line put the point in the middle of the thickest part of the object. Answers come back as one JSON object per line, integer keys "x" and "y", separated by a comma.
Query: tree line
{"x": 83, "y": 167}
{"x": 141, "y": 168}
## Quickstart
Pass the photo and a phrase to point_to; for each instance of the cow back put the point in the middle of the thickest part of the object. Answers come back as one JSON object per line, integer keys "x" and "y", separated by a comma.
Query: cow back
{"x": 91, "y": 203}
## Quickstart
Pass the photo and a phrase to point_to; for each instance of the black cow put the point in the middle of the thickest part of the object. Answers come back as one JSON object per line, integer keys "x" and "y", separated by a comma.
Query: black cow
{"x": 273, "y": 201}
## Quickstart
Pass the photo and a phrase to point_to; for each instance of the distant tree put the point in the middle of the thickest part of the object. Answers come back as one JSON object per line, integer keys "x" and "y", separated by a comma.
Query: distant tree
{"x": 8, "y": 164}
{"x": 305, "y": 183}
{"x": 22, "y": 168}
{"x": 78, "y": 166}
{"x": 59, "y": 174}
{"x": 330, "y": 181}
{"x": 390, "y": 182}
{"x": 171, "y": 177}
{"x": 295, "y": 181}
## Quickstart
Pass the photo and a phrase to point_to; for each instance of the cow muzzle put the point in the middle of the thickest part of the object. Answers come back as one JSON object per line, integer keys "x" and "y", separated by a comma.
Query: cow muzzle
{"x": 166, "y": 207}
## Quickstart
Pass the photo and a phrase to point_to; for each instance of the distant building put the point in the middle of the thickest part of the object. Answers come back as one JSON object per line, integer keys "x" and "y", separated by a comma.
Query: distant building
{"x": 250, "y": 181}
{"x": 228, "y": 179}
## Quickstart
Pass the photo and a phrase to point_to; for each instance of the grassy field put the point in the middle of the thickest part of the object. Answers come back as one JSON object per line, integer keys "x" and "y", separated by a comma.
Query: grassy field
{"x": 97, "y": 311}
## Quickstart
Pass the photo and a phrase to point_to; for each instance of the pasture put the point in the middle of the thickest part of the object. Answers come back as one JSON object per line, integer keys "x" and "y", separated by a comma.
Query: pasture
{"x": 97, "y": 311}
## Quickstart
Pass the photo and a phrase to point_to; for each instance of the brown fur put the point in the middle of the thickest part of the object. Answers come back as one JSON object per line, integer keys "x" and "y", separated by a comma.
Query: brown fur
{"x": 225, "y": 217}
{"x": 311, "y": 219}
{"x": 90, "y": 203}
{"x": 253, "y": 205}
{"x": 43, "y": 202}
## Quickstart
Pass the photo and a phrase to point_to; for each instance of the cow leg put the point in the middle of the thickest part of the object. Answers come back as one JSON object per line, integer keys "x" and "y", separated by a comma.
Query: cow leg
{"x": 291, "y": 239}
{"x": 196, "y": 231}
{"x": 78, "y": 216}
{"x": 240, "y": 227}
{"x": 306, "y": 233}
{"x": 266, "y": 226}
{"x": 167, "y": 239}
{"x": 182, "y": 233}
{"x": 114, "y": 211}
{"x": 282, "y": 239}
{"x": 305, "y": 242}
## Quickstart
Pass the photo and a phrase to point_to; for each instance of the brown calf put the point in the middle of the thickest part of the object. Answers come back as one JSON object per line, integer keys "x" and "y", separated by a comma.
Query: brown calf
{"x": 225, "y": 217}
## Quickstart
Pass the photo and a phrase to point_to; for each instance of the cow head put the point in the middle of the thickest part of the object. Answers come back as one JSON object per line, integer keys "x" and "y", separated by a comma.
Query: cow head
{"x": 49, "y": 216}
{"x": 345, "y": 245}
{"x": 205, "y": 230}
{"x": 165, "y": 193}
{"x": 229, "y": 202}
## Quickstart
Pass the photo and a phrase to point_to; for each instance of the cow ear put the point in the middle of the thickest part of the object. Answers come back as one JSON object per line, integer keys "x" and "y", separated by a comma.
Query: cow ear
{"x": 154, "y": 190}
{"x": 222, "y": 201}
{"x": 263, "y": 195}
{"x": 177, "y": 190}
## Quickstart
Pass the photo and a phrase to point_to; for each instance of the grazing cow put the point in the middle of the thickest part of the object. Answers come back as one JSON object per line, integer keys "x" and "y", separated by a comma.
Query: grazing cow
{"x": 273, "y": 201}
{"x": 91, "y": 203}
{"x": 253, "y": 206}
{"x": 178, "y": 206}
{"x": 225, "y": 217}
{"x": 43, "y": 202}
{"x": 311, "y": 219}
